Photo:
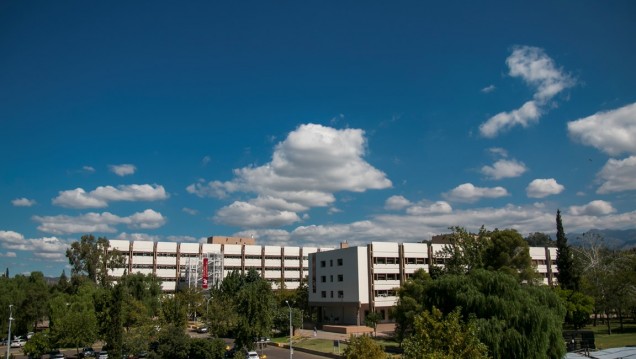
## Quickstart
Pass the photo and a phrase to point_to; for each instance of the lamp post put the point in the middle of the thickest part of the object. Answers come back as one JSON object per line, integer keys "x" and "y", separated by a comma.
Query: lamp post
{"x": 291, "y": 332}
{"x": 9, "y": 335}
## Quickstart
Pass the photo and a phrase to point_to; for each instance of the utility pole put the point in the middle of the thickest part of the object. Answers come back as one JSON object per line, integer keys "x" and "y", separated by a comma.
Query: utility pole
{"x": 9, "y": 335}
{"x": 291, "y": 332}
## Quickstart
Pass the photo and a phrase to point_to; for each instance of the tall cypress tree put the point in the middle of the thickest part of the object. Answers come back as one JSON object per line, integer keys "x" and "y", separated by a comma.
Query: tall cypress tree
{"x": 565, "y": 262}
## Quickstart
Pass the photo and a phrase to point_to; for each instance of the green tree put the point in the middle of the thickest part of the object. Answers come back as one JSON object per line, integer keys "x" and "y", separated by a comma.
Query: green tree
{"x": 410, "y": 303}
{"x": 254, "y": 304}
{"x": 436, "y": 337}
{"x": 363, "y": 347}
{"x": 513, "y": 320}
{"x": 567, "y": 277}
{"x": 248, "y": 306}
{"x": 509, "y": 253}
{"x": 90, "y": 257}
{"x": 207, "y": 349}
{"x": 174, "y": 343}
{"x": 465, "y": 250}
{"x": 498, "y": 250}
{"x": 174, "y": 310}
{"x": 73, "y": 320}
{"x": 538, "y": 239}
{"x": 579, "y": 307}
{"x": 371, "y": 320}
{"x": 38, "y": 345}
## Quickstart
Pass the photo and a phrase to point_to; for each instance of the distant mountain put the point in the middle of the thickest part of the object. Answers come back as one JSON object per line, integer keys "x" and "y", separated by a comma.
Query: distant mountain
{"x": 614, "y": 238}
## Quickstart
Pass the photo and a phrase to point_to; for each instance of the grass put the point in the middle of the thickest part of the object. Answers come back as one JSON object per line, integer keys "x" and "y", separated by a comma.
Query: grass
{"x": 618, "y": 338}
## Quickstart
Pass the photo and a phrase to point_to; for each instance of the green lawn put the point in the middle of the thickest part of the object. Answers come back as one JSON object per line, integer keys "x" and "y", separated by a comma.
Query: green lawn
{"x": 617, "y": 338}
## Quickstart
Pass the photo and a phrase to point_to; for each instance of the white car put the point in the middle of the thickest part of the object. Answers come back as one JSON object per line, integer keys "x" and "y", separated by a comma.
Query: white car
{"x": 18, "y": 343}
{"x": 102, "y": 355}
{"x": 252, "y": 355}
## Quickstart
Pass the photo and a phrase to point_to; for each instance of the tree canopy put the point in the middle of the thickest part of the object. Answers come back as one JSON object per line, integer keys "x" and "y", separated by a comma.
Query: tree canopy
{"x": 436, "y": 337}
{"x": 90, "y": 257}
{"x": 513, "y": 320}
{"x": 498, "y": 250}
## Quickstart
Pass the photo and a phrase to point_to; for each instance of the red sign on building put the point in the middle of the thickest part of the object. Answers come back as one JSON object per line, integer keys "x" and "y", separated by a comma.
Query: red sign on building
{"x": 204, "y": 283}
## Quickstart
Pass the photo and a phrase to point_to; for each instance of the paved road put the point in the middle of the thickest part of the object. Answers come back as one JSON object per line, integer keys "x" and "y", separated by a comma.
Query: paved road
{"x": 274, "y": 352}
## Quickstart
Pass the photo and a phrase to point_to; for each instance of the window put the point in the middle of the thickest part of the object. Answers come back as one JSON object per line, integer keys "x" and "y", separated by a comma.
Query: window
{"x": 323, "y": 294}
{"x": 323, "y": 279}
{"x": 331, "y": 262}
{"x": 332, "y": 294}
{"x": 340, "y": 277}
{"x": 323, "y": 264}
{"x": 340, "y": 294}
{"x": 417, "y": 260}
{"x": 339, "y": 261}
{"x": 331, "y": 278}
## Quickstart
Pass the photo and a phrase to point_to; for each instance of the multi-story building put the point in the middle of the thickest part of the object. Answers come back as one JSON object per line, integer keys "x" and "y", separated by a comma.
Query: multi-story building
{"x": 346, "y": 284}
{"x": 173, "y": 263}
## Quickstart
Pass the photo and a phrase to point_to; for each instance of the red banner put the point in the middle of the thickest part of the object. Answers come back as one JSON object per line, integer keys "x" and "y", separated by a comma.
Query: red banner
{"x": 204, "y": 283}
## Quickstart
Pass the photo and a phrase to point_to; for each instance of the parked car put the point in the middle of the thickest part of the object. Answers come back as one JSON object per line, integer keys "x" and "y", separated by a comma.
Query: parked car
{"x": 87, "y": 352}
{"x": 56, "y": 354}
{"x": 252, "y": 355}
{"x": 18, "y": 343}
{"x": 102, "y": 355}
{"x": 202, "y": 330}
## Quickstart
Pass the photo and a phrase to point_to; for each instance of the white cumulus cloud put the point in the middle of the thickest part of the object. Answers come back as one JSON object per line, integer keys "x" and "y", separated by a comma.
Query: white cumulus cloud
{"x": 594, "y": 208}
{"x": 23, "y": 202}
{"x": 613, "y": 132}
{"x": 504, "y": 169}
{"x": 396, "y": 203}
{"x": 539, "y": 71}
{"x": 307, "y": 169}
{"x": 49, "y": 248}
{"x": 101, "y": 196}
{"x": 104, "y": 222}
{"x": 543, "y": 187}
{"x": 618, "y": 176}
{"x": 469, "y": 193}
{"x": 430, "y": 208}
{"x": 246, "y": 215}
{"x": 123, "y": 169}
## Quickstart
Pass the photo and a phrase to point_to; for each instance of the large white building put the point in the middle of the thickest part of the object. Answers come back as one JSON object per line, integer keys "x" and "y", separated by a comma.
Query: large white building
{"x": 347, "y": 283}
{"x": 344, "y": 284}
{"x": 174, "y": 262}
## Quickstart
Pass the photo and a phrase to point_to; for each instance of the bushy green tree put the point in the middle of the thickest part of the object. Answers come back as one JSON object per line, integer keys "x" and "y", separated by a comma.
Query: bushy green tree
{"x": 73, "y": 318}
{"x": 363, "y": 347}
{"x": 174, "y": 343}
{"x": 513, "y": 320}
{"x": 410, "y": 303}
{"x": 439, "y": 337}
{"x": 579, "y": 307}
{"x": 207, "y": 349}
{"x": 90, "y": 257}
{"x": 38, "y": 345}
{"x": 498, "y": 250}
{"x": 249, "y": 306}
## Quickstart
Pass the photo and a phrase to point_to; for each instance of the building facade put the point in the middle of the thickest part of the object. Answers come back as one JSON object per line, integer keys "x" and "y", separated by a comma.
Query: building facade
{"x": 173, "y": 263}
{"x": 346, "y": 284}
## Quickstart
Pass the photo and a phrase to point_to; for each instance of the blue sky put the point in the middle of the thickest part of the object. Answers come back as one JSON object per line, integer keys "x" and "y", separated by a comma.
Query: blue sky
{"x": 310, "y": 123}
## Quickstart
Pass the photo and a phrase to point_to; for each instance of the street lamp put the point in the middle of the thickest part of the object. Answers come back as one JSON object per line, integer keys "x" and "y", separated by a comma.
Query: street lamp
{"x": 291, "y": 350}
{"x": 9, "y": 335}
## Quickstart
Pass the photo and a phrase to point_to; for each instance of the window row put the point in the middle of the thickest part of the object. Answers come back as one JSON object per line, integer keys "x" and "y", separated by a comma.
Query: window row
{"x": 386, "y": 276}
{"x": 323, "y": 278}
{"x": 340, "y": 293}
{"x": 339, "y": 261}
{"x": 385, "y": 293}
